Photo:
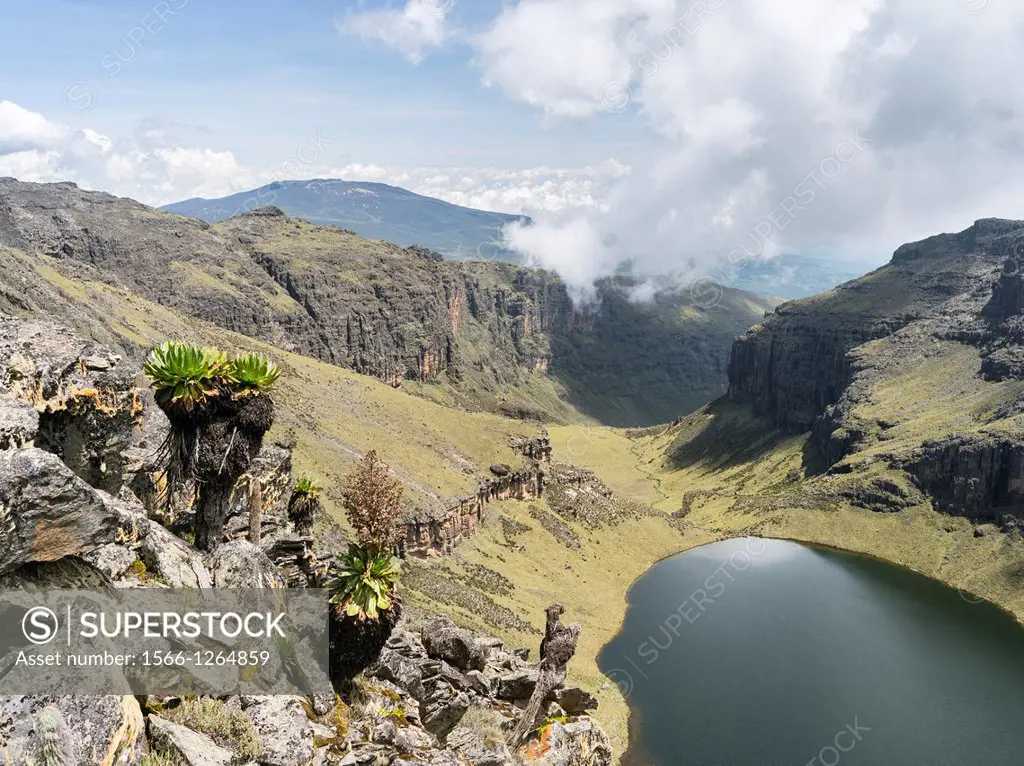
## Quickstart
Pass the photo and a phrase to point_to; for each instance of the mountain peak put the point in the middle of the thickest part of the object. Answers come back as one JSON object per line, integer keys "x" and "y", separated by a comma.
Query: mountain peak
{"x": 371, "y": 209}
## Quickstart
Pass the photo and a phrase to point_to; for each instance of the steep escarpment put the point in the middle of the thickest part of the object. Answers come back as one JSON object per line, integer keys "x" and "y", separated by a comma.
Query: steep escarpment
{"x": 401, "y": 313}
{"x": 916, "y": 365}
{"x": 479, "y": 335}
{"x": 795, "y": 363}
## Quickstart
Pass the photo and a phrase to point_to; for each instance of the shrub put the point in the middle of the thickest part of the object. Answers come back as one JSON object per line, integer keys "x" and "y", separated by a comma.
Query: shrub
{"x": 486, "y": 723}
{"x": 366, "y": 577}
{"x": 159, "y": 757}
{"x": 373, "y": 503}
{"x": 232, "y": 729}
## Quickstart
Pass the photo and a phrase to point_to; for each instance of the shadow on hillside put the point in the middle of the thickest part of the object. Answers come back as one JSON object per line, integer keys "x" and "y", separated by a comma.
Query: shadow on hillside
{"x": 724, "y": 435}
{"x": 642, "y": 363}
{"x": 813, "y": 460}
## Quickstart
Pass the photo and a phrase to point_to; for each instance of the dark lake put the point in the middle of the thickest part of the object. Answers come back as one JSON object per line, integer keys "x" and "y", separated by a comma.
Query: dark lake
{"x": 769, "y": 652}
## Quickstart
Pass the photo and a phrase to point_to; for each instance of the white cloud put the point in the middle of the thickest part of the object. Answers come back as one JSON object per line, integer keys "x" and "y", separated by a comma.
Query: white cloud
{"x": 155, "y": 169}
{"x": 776, "y": 124}
{"x": 146, "y": 167}
{"x": 24, "y": 131}
{"x": 412, "y": 31}
{"x": 533, "y": 191}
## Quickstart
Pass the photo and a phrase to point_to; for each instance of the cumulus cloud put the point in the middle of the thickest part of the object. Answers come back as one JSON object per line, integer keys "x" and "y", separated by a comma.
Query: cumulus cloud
{"x": 412, "y": 31}
{"x": 776, "y": 125}
{"x": 155, "y": 168}
{"x": 145, "y": 166}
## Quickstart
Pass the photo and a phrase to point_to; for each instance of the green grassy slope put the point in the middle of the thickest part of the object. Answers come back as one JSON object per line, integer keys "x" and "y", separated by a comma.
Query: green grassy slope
{"x": 334, "y": 415}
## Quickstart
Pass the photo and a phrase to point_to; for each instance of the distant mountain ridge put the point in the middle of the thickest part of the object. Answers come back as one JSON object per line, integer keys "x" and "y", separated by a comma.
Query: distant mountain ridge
{"x": 373, "y": 210}
{"x": 791, "y": 276}
{"x": 381, "y": 211}
{"x": 481, "y": 335}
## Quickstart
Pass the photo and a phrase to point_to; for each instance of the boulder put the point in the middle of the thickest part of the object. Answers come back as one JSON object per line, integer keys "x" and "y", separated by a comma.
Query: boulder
{"x": 575, "y": 700}
{"x": 517, "y": 685}
{"x": 240, "y": 564}
{"x": 295, "y": 559}
{"x": 401, "y": 671}
{"x": 187, "y": 747}
{"x": 576, "y": 743}
{"x": 104, "y": 730}
{"x": 170, "y": 559}
{"x": 406, "y": 643}
{"x": 19, "y": 423}
{"x": 405, "y": 739}
{"x": 478, "y": 683}
{"x": 439, "y": 670}
{"x": 456, "y": 646}
{"x": 443, "y": 708}
{"x": 112, "y": 559}
{"x": 46, "y": 512}
{"x": 283, "y": 728}
{"x": 490, "y": 643}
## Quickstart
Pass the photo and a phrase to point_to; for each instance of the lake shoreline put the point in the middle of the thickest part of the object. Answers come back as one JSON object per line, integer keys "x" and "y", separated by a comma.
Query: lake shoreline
{"x": 635, "y": 753}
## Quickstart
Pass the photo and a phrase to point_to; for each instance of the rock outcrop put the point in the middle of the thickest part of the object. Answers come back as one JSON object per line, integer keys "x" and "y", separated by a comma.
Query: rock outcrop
{"x": 103, "y": 730}
{"x": 84, "y": 397}
{"x": 439, "y": 534}
{"x": 496, "y": 682}
{"x": 951, "y": 303}
{"x": 186, "y": 746}
{"x": 47, "y": 513}
{"x": 979, "y": 477}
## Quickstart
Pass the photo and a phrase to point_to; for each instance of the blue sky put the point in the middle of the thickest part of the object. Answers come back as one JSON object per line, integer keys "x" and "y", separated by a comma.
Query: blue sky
{"x": 255, "y": 77}
{"x": 675, "y": 133}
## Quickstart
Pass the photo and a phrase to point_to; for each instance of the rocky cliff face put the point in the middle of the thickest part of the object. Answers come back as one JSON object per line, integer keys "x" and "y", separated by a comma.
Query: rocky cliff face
{"x": 494, "y": 336}
{"x": 917, "y": 363}
{"x": 796, "y": 363}
{"x": 437, "y": 535}
{"x": 395, "y": 313}
{"x": 978, "y": 477}
{"x": 382, "y": 309}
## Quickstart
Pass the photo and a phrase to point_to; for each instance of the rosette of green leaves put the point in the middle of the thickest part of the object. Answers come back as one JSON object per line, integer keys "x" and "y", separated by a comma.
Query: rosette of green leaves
{"x": 185, "y": 375}
{"x": 364, "y": 582}
{"x": 254, "y": 373}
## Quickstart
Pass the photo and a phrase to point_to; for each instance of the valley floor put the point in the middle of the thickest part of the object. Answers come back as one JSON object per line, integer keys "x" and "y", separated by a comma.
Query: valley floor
{"x": 518, "y": 567}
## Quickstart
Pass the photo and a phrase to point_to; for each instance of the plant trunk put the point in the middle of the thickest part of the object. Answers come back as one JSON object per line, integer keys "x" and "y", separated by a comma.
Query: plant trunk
{"x": 355, "y": 644}
{"x": 556, "y": 649}
{"x": 547, "y": 680}
{"x": 211, "y": 513}
{"x": 228, "y": 438}
{"x": 255, "y": 510}
{"x": 304, "y": 528}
